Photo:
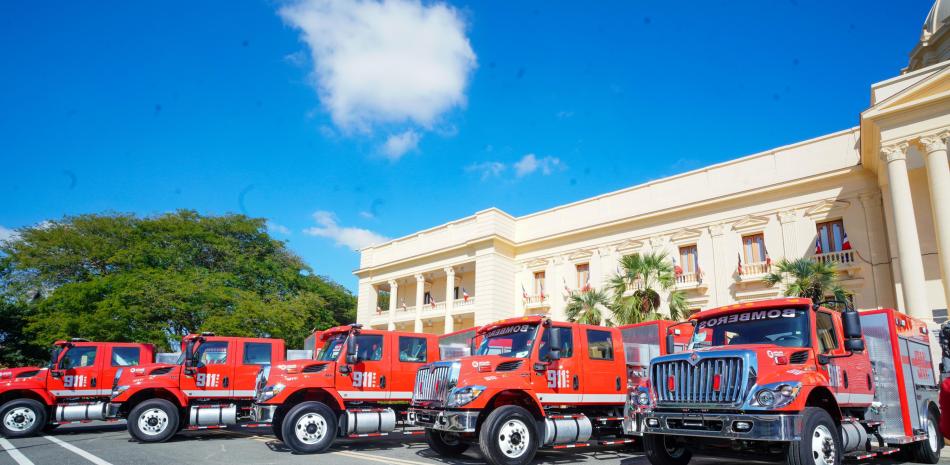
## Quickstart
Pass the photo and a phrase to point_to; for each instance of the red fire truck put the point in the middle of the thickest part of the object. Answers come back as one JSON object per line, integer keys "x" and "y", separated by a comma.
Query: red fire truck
{"x": 792, "y": 380}
{"x": 534, "y": 382}
{"x": 212, "y": 386}
{"x": 75, "y": 387}
{"x": 359, "y": 385}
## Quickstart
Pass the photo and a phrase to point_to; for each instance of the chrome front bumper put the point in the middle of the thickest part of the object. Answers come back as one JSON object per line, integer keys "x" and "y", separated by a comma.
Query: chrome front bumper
{"x": 633, "y": 424}
{"x": 455, "y": 421}
{"x": 263, "y": 413}
{"x": 762, "y": 427}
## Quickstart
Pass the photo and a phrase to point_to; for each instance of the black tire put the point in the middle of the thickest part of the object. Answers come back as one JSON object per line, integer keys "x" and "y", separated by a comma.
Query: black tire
{"x": 27, "y": 417}
{"x": 277, "y": 425}
{"x": 923, "y": 451}
{"x": 816, "y": 423}
{"x": 658, "y": 452}
{"x": 315, "y": 421}
{"x": 154, "y": 420}
{"x": 514, "y": 427}
{"x": 446, "y": 444}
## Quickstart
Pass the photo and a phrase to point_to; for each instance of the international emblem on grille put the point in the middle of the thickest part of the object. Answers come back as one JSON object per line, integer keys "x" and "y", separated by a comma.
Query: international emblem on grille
{"x": 693, "y": 358}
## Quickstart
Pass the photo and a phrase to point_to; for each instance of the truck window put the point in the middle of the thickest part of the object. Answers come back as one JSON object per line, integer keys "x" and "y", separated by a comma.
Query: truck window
{"x": 212, "y": 353}
{"x": 369, "y": 348}
{"x": 125, "y": 356}
{"x": 257, "y": 353}
{"x": 412, "y": 349}
{"x": 78, "y": 357}
{"x": 567, "y": 342}
{"x": 825, "y": 328}
{"x": 600, "y": 345}
{"x": 508, "y": 341}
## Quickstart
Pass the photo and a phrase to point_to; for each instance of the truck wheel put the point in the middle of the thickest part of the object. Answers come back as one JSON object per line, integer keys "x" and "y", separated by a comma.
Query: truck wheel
{"x": 445, "y": 444}
{"x": 509, "y": 436}
{"x": 658, "y": 452}
{"x": 154, "y": 420}
{"x": 309, "y": 428}
{"x": 277, "y": 425}
{"x": 820, "y": 443}
{"x": 22, "y": 417}
{"x": 928, "y": 451}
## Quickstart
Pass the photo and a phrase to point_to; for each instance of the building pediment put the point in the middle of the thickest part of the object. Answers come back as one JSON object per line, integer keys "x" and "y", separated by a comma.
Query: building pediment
{"x": 685, "y": 235}
{"x": 580, "y": 255}
{"x": 750, "y": 223}
{"x": 630, "y": 246}
{"x": 827, "y": 208}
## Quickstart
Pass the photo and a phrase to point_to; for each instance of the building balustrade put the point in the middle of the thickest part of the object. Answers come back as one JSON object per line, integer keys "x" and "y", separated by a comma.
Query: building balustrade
{"x": 845, "y": 258}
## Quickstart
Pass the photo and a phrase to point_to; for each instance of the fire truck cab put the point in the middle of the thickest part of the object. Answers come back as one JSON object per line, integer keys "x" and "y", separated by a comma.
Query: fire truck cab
{"x": 531, "y": 382}
{"x": 358, "y": 386}
{"x": 793, "y": 380}
{"x": 211, "y": 386}
{"x": 74, "y": 387}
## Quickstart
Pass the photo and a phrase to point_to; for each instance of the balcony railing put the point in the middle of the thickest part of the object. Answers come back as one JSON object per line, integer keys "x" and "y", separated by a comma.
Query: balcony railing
{"x": 844, "y": 258}
{"x": 536, "y": 300}
{"x": 757, "y": 270}
{"x": 463, "y": 302}
{"x": 433, "y": 307}
{"x": 689, "y": 280}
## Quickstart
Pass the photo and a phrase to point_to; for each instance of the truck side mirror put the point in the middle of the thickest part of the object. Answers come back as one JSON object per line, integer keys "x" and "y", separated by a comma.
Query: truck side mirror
{"x": 554, "y": 343}
{"x": 854, "y": 345}
{"x": 670, "y": 343}
{"x": 351, "y": 357}
{"x": 851, "y": 323}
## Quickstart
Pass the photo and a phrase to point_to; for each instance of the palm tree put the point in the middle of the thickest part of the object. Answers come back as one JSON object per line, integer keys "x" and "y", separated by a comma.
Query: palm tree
{"x": 585, "y": 307}
{"x": 636, "y": 289}
{"x": 805, "y": 277}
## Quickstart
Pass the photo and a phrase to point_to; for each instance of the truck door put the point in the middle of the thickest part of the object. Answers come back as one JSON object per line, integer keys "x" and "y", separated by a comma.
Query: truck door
{"x": 561, "y": 380}
{"x": 77, "y": 373}
{"x": 604, "y": 368}
{"x": 412, "y": 353}
{"x": 253, "y": 355}
{"x": 827, "y": 335}
{"x": 120, "y": 356}
{"x": 212, "y": 377}
{"x": 368, "y": 378}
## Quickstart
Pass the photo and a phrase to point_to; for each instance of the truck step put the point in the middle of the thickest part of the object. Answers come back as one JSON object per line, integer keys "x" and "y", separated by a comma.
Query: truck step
{"x": 614, "y": 442}
{"x": 571, "y": 446}
{"x": 859, "y": 455}
{"x": 256, "y": 425}
{"x": 413, "y": 433}
{"x": 75, "y": 422}
{"x": 887, "y": 450}
{"x": 606, "y": 419}
{"x": 195, "y": 428}
{"x": 367, "y": 435}
{"x": 871, "y": 423}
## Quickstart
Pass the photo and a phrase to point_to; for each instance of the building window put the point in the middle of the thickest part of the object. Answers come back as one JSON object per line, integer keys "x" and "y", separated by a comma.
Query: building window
{"x": 753, "y": 248}
{"x": 831, "y": 236}
{"x": 689, "y": 259}
{"x": 456, "y": 293}
{"x": 583, "y": 275}
{"x": 427, "y": 298}
{"x": 538, "y": 282}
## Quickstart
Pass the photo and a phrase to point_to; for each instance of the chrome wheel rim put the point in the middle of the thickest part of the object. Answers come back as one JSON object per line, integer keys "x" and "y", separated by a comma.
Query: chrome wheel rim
{"x": 19, "y": 419}
{"x": 823, "y": 446}
{"x": 311, "y": 428}
{"x": 153, "y": 421}
{"x": 513, "y": 438}
{"x": 932, "y": 436}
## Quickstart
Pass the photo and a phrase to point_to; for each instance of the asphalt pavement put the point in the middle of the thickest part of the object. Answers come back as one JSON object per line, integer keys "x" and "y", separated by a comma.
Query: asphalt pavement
{"x": 109, "y": 444}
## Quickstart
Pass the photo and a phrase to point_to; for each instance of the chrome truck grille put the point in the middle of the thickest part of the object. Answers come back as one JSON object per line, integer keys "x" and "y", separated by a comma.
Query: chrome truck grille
{"x": 704, "y": 382}
{"x": 434, "y": 381}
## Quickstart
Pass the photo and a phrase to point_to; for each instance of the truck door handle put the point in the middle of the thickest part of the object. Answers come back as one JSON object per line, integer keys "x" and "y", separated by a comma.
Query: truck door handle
{"x": 617, "y": 383}
{"x": 382, "y": 382}
{"x": 577, "y": 383}
{"x": 93, "y": 383}
{"x": 226, "y": 382}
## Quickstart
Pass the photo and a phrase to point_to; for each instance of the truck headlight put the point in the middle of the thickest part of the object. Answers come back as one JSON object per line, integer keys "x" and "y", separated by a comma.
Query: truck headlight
{"x": 775, "y": 395}
{"x": 119, "y": 390}
{"x": 270, "y": 392}
{"x": 463, "y": 395}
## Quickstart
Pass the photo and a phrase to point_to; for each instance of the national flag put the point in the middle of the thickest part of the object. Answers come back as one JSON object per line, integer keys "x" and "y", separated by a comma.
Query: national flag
{"x": 677, "y": 268}
{"x": 432, "y": 302}
{"x": 586, "y": 287}
{"x": 379, "y": 309}
{"x": 845, "y": 243}
{"x": 524, "y": 292}
{"x": 768, "y": 259}
{"x": 404, "y": 305}
{"x": 567, "y": 290}
{"x": 699, "y": 273}
{"x": 739, "y": 268}
{"x": 818, "y": 250}
{"x": 541, "y": 285}
{"x": 464, "y": 295}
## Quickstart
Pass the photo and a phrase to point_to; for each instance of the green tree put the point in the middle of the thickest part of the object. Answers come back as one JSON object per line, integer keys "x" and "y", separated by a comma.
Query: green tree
{"x": 636, "y": 289}
{"x": 809, "y": 278}
{"x": 588, "y": 307}
{"x": 154, "y": 279}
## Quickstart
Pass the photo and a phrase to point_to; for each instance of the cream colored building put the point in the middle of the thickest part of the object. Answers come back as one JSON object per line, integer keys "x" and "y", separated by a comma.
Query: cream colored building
{"x": 885, "y": 183}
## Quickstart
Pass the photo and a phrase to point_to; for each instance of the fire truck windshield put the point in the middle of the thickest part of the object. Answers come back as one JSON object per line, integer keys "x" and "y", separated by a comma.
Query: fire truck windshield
{"x": 508, "y": 341}
{"x": 332, "y": 348}
{"x": 787, "y": 327}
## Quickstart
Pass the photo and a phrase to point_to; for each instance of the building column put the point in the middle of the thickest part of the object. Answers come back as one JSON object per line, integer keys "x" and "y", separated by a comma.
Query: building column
{"x": 393, "y": 297}
{"x": 789, "y": 222}
{"x": 449, "y": 299}
{"x": 938, "y": 177}
{"x": 717, "y": 233}
{"x": 420, "y": 296}
{"x": 905, "y": 224}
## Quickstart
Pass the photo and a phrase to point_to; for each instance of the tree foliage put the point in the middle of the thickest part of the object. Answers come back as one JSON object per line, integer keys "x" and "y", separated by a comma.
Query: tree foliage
{"x": 809, "y": 278}
{"x": 636, "y": 289}
{"x": 154, "y": 279}
{"x": 588, "y": 307}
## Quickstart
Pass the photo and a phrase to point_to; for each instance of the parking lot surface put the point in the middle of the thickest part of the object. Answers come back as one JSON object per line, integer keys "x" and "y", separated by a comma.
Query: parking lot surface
{"x": 109, "y": 443}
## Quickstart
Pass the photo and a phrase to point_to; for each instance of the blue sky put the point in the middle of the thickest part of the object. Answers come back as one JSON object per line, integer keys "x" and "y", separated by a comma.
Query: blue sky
{"x": 307, "y": 114}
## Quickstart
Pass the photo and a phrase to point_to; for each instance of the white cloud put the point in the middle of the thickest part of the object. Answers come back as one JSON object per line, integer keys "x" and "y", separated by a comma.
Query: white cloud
{"x": 276, "y": 228}
{"x": 7, "y": 234}
{"x": 385, "y": 61}
{"x": 530, "y": 163}
{"x": 398, "y": 144}
{"x": 354, "y": 238}
{"x": 487, "y": 169}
